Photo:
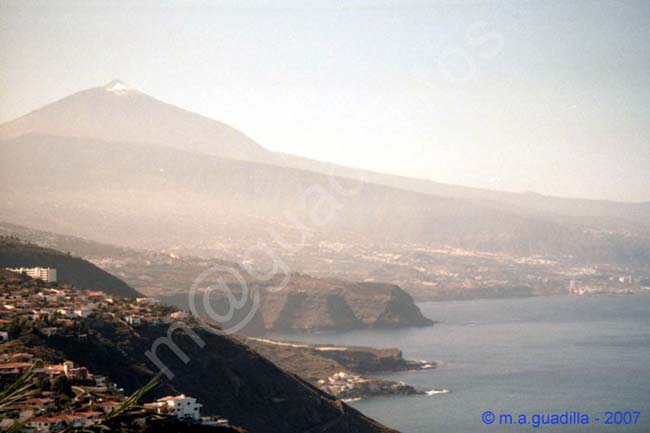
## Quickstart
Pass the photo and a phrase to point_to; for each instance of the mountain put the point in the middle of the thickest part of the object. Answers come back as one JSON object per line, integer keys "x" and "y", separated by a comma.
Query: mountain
{"x": 118, "y": 166}
{"x": 70, "y": 270}
{"x": 159, "y": 197}
{"x": 115, "y": 112}
{"x": 118, "y": 113}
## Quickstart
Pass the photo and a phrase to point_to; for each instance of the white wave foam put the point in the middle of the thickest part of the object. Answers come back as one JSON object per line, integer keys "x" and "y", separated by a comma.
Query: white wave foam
{"x": 437, "y": 391}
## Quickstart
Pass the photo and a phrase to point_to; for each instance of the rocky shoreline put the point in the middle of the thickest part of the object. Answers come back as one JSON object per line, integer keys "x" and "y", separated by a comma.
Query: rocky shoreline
{"x": 348, "y": 386}
{"x": 342, "y": 371}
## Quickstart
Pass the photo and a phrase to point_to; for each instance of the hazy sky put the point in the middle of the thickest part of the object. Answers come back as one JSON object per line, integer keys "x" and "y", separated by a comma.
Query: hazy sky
{"x": 552, "y": 97}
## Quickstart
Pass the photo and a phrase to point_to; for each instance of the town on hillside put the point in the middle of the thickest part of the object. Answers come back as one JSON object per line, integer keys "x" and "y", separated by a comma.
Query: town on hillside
{"x": 67, "y": 395}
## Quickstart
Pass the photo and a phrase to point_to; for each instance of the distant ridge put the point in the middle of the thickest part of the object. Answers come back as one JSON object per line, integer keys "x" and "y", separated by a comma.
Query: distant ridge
{"x": 70, "y": 270}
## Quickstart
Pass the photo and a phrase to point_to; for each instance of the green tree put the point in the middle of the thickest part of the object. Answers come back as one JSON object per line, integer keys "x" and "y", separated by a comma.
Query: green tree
{"x": 61, "y": 385}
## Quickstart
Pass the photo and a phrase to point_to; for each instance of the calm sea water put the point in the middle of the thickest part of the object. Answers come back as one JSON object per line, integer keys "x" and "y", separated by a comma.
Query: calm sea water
{"x": 535, "y": 355}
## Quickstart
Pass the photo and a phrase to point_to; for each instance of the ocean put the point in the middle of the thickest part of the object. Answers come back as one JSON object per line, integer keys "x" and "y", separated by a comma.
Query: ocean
{"x": 553, "y": 359}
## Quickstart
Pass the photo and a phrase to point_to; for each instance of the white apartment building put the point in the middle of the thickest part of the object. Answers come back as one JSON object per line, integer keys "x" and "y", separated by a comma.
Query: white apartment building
{"x": 147, "y": 301}
{"x": 46, "y": 274}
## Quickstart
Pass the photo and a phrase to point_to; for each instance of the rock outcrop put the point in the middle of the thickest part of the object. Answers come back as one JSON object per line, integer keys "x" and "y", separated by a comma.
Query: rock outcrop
{"x": 319, "y": 304}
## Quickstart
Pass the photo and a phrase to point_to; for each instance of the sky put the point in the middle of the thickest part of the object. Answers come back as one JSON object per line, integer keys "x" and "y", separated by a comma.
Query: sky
{"x": 550, "y": 97}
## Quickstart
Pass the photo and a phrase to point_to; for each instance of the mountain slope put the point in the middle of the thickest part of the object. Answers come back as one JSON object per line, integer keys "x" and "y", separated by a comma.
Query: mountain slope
{"x": 70, "y": 270}
{"x": 160, "y": 197}
{"x": 601, "y": 211}
{"x": 158, "y": 188}
{"x": 117, "y": 113}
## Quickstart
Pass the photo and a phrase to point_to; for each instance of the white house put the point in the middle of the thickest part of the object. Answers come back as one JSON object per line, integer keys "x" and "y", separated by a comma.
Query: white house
{"x": 85, "y": 310}
{"x": 182, "y": 406}
{"x": 58, "y": 422}
{"x": 47, "y": 423}
{"x": 133, "y": 320}
{"x": 179, "y": 315}
{"x": 100, "y": 380}
{"x": 215, "y": 421}
{"x": 50, "y": 331}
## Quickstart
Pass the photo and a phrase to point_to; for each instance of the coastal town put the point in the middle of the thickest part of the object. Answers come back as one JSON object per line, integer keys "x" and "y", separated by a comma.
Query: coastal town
{"x": 68, "y": 395}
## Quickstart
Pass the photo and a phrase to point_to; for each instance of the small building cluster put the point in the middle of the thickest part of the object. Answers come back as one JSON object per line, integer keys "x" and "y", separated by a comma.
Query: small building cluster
{"x": 57, "y": 310}
{"x": 48, "y": 412}
{"x": 340, "y": 383}
{"x": 605, "y": 284}
{"x": 346, "y": 385}
{"x": 10, "y": 369}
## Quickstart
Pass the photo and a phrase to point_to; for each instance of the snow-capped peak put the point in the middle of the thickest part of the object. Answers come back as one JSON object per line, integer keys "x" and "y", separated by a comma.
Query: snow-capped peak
{"x": 117, "y": 87}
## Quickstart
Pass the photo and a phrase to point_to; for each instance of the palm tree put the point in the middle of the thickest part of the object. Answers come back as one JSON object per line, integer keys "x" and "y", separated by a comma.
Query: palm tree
{"x": 127, "y": 411}
{"x": 23, "y": 388}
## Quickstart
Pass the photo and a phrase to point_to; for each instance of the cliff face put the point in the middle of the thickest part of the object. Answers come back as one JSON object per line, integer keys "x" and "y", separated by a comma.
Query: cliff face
{"x": 302, "y": 310}
{"x": 384, "y": 306}
{"x": 310, "y": 304}
{"x": 315, "y": 304}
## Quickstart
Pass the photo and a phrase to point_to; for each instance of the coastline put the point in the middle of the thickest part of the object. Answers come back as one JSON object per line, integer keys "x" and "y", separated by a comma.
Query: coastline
{"x": 346, "y": 372}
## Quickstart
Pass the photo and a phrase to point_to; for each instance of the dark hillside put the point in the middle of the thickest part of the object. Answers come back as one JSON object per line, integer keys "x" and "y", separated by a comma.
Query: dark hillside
{"x": 228, "y": 377}
{"x": 15, "y": 253}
